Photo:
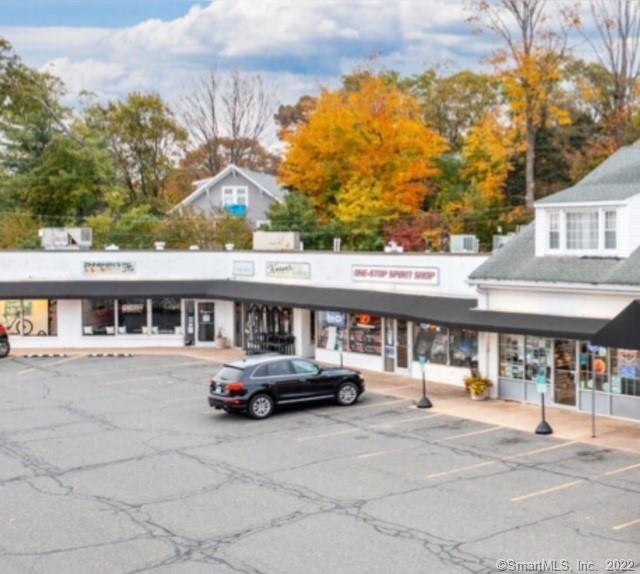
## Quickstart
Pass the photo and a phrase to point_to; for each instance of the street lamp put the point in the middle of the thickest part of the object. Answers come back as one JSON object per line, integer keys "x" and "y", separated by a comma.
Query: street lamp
{"x": 543, "y": 385}
{"x": 424, "y": 402}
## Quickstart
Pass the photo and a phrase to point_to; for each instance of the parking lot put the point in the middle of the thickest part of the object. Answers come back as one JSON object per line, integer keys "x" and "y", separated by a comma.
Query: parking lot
{"x": 118, "y": 465}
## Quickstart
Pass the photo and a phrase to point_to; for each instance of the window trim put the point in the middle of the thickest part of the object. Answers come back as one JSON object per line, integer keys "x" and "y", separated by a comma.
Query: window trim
{"x": 234, "y": 189}
{"x": 563, "y": 235}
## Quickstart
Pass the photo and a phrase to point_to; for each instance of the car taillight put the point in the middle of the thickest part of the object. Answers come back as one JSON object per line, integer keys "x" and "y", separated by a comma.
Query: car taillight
{"x": 236, "y": 388}
{"x": 3, "y": 331}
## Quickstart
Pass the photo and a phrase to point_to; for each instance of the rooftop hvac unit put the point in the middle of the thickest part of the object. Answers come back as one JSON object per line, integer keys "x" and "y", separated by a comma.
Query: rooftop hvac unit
{"x": 66, "y": 238}
{"x": 464, "y": 244}
{"x": 501, "y": 240}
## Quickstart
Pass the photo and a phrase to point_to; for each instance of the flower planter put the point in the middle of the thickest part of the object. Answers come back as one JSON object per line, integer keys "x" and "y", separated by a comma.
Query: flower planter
{"x": 483, "y": 396}
{"x": 221, "y": 343}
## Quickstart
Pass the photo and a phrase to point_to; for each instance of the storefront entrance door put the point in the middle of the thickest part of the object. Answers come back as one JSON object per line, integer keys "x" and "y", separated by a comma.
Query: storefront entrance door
{"x": 396, "y": 351}
{"x": 205, "y": 312}
{"x": 564, "y": 383}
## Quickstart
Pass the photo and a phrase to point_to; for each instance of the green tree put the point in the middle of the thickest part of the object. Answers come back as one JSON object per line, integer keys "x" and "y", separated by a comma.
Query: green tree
{"x": 146, "y": 141}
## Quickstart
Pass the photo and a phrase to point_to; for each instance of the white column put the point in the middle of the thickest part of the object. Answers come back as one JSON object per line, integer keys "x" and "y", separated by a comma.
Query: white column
{"x": 488, "y": 358}
{"x": 302, "y": 332}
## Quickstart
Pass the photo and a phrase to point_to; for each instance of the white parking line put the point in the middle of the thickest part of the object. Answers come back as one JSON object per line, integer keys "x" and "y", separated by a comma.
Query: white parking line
{"x": 405, "y": 421}
{"x": 329, "y": 434}
{"x": 548, "y": 490}
{"x": 383, "y": 404}
{"x": 388, "y": 451}
{"x": 53, "y": 364}
{"x": 504, "y": 459}
{"x": 466, "y": 434}
{"x": 575, "y": 482}
{"x": 627, "y": 524}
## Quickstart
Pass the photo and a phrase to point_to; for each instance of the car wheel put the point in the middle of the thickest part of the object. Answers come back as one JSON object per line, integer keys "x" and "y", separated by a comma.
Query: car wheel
{"x": 4, "y": 349}
{"x": 347, "y": 394}
{"x": 261, "y": 406}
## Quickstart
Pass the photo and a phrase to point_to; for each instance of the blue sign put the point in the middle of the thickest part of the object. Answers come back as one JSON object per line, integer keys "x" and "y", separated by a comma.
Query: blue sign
{"x": 336, "y": 319}
{"x": 423, "y": 360}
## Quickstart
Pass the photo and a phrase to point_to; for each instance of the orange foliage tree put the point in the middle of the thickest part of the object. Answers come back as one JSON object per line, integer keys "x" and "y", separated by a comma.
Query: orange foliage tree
{"x": 365, "y": 156}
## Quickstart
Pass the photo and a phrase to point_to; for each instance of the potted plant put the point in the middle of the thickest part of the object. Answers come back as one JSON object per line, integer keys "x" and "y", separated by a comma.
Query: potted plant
{"x": 221, "y": 340}
{"x": 478, "y": 387}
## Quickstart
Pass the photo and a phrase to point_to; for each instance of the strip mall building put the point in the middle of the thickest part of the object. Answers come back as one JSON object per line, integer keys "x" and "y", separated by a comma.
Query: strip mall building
{"x": 558, "y": 301}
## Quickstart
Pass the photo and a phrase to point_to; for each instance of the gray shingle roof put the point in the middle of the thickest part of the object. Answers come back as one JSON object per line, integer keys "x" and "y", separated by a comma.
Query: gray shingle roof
{"x": 516, "y": 261}
{"x": 616, "y": 179}
{"x": 267, "y": 181}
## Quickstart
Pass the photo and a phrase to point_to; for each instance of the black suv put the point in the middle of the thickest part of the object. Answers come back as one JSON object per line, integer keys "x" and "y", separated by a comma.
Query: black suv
{"x": 257, "y": 384}
{"x": 4, "y": 343}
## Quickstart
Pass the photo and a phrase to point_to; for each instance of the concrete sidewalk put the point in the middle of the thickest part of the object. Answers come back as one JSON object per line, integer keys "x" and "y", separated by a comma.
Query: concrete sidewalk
{"x": 447, "y": 399}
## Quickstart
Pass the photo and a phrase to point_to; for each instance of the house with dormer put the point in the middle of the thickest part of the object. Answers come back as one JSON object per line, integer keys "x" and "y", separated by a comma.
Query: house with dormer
{"x": 237, "y": 190}
{"x": 577, "y": 265}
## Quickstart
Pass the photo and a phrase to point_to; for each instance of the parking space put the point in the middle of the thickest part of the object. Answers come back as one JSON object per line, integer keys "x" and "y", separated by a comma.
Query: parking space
{"x": 118, "y": 465}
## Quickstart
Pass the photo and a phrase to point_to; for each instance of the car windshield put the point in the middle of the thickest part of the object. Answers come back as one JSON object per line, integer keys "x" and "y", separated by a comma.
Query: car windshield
{"x": 228, "y": 374}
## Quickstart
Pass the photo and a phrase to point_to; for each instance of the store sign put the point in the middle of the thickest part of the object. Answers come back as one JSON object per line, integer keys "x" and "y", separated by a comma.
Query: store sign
{"x": 336, "y": 319}
{"x": 285, "y": 270}
{"x": 542, "y": 384}
{"x": 244, "y": 268}
{"x": 109, "y": 267}
{"x": 383, "y": 274}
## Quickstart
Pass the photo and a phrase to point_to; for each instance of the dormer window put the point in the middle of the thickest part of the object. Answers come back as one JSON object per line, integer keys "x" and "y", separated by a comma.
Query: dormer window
{"x": 610, "y": 230}
{"x": 582, "y": 230}
{"x": 554, "y": 230}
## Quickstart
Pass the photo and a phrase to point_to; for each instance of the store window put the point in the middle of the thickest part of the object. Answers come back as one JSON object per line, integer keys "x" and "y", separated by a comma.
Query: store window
{"x": 431, "y": 341}
{"x": 625, "y": 372}
{"x": 538, "y": 357}
{"x": 30, "y": 317}
{"x": 132, "y": 317}
{"x": 365, "y": 334}
{"x": 331, "y": 330}
{"x": 166, "y": 316}
{"x": 582, "y": 230}
{"x": 463, "y": 347}
{"x": 512, "y": 356}
{"x": 98, "y": 317}
{"x": 269, "y": 329}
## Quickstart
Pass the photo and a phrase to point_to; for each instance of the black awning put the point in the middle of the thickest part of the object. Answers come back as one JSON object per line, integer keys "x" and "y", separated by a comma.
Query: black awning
{"x": 445, "y": 311}
{"x": 623, "y": 331}
{"x": 552, "y": 326}
{"x": 102, "y": 288}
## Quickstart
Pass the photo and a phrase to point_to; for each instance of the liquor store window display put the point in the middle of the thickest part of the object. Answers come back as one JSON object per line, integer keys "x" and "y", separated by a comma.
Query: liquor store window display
{"x": 365, "y": 334}
{"x": 350, "y": 332}
{"x": 30, "y": 317}
{"x": 269, "y": 329}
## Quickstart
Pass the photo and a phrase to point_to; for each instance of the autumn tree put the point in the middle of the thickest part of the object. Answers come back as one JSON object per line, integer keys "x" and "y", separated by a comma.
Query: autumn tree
{"x": 617, "y": 47}
{"x": 364, "y": 157}
{"x": 529, "y": 64}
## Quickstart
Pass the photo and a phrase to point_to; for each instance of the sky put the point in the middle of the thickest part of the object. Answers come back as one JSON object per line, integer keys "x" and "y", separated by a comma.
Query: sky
{"x": 111, "y": 47}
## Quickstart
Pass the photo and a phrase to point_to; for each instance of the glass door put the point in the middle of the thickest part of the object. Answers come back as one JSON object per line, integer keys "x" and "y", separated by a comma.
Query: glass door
{"x": 390, "y": 345}
{"x": 402, "y": 345}
{"x": 564, "y": 382}
{"x": 206, "y": 321}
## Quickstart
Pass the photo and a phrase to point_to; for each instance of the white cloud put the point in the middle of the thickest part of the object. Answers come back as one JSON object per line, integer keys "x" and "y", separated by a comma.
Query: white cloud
{"x": 294, "y": 43}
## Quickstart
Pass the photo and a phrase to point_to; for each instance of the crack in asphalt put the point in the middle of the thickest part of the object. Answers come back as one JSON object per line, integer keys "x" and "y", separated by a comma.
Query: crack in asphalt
{"x": 50, "y": 480}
